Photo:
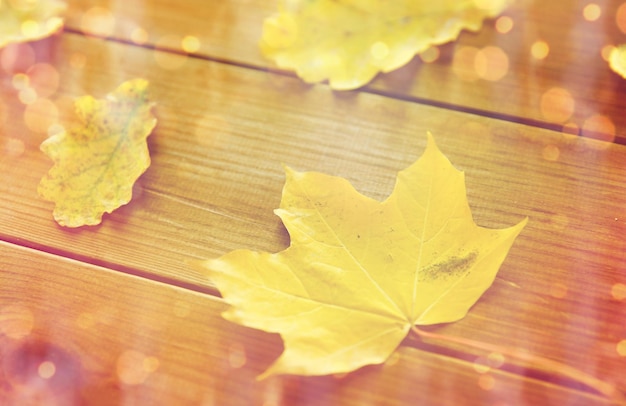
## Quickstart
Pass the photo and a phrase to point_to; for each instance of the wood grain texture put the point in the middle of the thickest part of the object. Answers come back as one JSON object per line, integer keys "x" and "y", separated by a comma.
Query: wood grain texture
{"x": 574, "y": 66}
{"x": 216, "y": 177}
{"x": 121, "y": 339}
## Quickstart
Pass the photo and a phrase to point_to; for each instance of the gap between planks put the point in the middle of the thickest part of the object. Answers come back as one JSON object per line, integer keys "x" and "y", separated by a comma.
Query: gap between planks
{"x": 111, "y": 266}
{"x": 521, "y": 371}
{"x": 556, "y": 128}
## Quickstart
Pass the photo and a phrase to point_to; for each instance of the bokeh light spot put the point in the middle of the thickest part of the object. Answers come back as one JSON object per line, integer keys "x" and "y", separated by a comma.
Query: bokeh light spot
{"x": 486, "y": 382}
{"x": 379, "y": 50}
{"x": 17, "y": 58}
{"x": 496, "y": 359}
{"x": 491, "y": 63}
{"x": 139, "y": 36}
{"x": 463, "y": 63}
{"x": 599, "y": 127}
{"x": 16, "y": 321}
{"x": 592, "y": 12}
{"x": 98, "y": 21}
{"x": 30, "y": 28}
{"x": 621, "y": 348}
{"x": 151, "y": 364}
{"x": 430, "y": 55}
{"x": 481, "y": 365}
{"x": 557, "y": 105}
{"x": 44, "y": 79}
{"x": 540, "y": 50}
{"x": 237, "y": 356}
{"x": 46, "y": 369}
{"x": 27, "y": 95}
{"x": 47, "y": 373}
{"x": 550, "y": 153}
{"x": 504, "y": 24}
{"x": 20, "y": 81}
{"x": 620, "y": 17}
{"x": 618, "y": 291}
{"x": 134, "y": 367}
{"x": 190, "y": 44}
{"x": 40, "y": 115}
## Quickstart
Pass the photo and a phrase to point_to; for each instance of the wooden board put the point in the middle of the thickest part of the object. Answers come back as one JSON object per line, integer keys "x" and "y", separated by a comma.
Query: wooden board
{"x": 226, "y": 125}
{"x": 571, "y": 89}
{"x": 216, "y": 177}
{"x": 122, "y": 339}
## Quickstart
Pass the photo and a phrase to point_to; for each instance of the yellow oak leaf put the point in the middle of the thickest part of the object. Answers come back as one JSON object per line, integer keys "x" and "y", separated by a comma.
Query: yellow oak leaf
{"x": 617, "y": 60}
{"x": 360, "y": 274}
{"x": 27, "y": 20}
{"x": 97, "y": 162}
{"x": 348, "y": 42}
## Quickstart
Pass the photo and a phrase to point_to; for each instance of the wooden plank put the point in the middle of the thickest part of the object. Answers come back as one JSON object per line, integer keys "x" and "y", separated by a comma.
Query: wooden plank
{"x": 72, "y": 333}
{"x": 216, "y": 177}
{"x": 571, "y": 89}
{"x": 224, "y": 29}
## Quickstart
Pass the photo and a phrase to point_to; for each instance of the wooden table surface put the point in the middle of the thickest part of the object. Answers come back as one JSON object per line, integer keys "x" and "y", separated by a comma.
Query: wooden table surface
{"x": 113, "y": 314}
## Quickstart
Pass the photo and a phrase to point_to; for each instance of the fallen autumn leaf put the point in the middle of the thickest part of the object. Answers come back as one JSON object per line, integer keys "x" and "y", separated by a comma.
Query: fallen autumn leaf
{"x": 359, "y": 274}
{"x": 22, "y": 21}
{"x": 97, "y": 162}
{"x": 348, "y": 43}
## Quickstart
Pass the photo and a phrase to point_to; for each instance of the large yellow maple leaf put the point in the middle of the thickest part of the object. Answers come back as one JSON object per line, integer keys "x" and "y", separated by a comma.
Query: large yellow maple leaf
{"x": 359, "y": 273}
{"x": 349, "y": 41}
{"x": 28, "y": 20}
{"x": 97, "y": 162}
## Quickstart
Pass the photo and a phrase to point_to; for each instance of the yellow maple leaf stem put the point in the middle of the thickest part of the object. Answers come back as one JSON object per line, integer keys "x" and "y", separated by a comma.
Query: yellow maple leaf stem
{"x": 535, "y": 361}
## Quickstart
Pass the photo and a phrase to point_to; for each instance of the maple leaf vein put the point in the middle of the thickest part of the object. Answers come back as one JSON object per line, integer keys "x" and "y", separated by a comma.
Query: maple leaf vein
{"x": 355, "y": 260}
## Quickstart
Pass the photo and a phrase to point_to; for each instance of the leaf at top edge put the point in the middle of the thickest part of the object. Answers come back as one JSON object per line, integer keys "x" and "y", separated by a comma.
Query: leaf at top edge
{"x": 359, "y": 273}
{"x": 24, "y": 20}
{"x": 349, "y": 42}
{"x": 97, "y": 162}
